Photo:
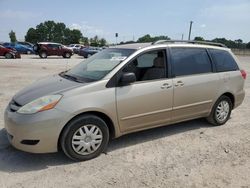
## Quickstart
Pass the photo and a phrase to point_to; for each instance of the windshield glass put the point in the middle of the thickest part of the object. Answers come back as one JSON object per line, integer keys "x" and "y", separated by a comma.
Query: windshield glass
{"x": 99, "y": 65}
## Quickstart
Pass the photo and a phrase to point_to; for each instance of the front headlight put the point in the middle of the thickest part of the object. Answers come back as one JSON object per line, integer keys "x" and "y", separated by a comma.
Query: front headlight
{"x": 41, "y": 104}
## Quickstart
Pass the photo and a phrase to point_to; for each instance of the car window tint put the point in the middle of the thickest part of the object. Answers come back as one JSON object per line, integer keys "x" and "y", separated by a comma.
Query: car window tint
{"x": 53, "y": 45}
{"x": 146, "y": 60}
{"x": 223, "y": 60}
{"x": 187, "y": 61}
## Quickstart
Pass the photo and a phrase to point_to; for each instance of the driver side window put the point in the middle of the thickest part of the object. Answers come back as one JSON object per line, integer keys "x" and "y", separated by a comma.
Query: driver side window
{"x": 148, "y": 66}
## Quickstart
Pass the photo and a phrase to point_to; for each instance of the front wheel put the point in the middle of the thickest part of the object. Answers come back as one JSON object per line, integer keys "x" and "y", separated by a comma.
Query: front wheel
{"x": 221, "y": 111}
{"x": 9, "y": 56}
{"x": 85, "y": 138}
{"x": 67, "y": 55}
{"x": 43, "y": 55}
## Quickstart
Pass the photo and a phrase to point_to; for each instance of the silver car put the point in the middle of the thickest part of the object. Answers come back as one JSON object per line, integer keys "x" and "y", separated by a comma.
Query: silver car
{"x": 125, "y": 89}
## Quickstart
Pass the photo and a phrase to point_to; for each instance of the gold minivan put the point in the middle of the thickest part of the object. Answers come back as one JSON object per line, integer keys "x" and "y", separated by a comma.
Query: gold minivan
{"x": 123, "y": 89}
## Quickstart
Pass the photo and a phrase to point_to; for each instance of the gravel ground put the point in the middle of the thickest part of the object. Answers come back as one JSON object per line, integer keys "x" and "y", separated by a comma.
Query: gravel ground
{"x": 190, "y": 154}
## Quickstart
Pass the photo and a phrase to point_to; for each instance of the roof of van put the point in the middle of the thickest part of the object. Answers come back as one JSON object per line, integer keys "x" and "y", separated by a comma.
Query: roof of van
{"x": 199, "y": 44}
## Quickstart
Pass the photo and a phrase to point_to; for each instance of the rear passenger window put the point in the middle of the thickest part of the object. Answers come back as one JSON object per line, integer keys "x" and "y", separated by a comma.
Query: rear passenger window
{"x": 223, "y": 60}
{"x": 187, "y": 61}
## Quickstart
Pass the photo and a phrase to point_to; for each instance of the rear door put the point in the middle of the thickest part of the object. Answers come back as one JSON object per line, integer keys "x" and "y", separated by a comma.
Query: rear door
{"x": 195, "y": 83}
{"x": 54, "y": 49}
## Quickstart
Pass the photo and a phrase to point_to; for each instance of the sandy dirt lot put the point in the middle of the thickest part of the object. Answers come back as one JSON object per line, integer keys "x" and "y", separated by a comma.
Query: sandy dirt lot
{"x": 190, "y": 154}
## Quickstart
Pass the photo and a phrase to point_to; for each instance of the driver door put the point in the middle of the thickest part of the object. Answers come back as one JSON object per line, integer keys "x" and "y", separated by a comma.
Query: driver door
{"x": 147, "y": 102}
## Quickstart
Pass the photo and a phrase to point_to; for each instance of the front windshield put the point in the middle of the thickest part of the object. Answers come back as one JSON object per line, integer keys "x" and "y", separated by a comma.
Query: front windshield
{"x": 99, "y": 65}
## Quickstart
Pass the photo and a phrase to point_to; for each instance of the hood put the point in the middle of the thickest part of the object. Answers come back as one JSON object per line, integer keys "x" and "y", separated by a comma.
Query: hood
{"x": 50, "y": 85}
{"x": 68, "y": 48}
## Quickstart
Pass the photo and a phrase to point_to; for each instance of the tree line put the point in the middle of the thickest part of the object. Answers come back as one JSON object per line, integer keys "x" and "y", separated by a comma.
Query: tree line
{"x": 50, "y": 31}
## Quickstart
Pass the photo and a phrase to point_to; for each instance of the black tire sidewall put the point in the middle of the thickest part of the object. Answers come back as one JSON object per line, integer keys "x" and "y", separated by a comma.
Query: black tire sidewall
{"x": 40, "y": 54}
{"x": 222, "y": 98}
{"x": 8, "y": 56}
{"x": 73, "y": 126}
{"x": 65, "y": 55}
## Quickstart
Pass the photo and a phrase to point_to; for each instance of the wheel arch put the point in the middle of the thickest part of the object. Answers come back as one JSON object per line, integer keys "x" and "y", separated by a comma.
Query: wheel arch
{"x": 231, "y": 96}
{"x": 104, "y": 117}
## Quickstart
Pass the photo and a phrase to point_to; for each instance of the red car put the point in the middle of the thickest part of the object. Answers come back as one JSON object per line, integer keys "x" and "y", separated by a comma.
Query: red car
{"x": 9, "y": 53}
{"x": 44, "y": 49}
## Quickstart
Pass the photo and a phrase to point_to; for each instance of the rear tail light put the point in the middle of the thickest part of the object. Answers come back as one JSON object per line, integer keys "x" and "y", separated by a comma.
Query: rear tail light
{"x": 243, "y": 74}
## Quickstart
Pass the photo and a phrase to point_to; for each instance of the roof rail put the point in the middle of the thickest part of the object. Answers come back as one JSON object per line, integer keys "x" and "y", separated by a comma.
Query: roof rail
{"x": 190, "y": 42}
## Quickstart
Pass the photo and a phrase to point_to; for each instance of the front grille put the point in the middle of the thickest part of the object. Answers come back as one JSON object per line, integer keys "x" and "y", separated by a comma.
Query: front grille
{"x": 14, "y": 106}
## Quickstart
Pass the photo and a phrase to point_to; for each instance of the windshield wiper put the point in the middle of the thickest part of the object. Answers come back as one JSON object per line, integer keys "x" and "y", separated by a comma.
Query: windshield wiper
{"x": 70, "y": 77}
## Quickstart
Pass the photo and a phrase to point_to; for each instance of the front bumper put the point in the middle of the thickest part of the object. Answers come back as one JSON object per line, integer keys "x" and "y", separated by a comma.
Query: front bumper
{"x": 35, "y": 133}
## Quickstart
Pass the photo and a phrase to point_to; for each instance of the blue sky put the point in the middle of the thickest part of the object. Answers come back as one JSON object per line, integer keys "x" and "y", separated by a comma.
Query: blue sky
{"x": 131, "y": 18}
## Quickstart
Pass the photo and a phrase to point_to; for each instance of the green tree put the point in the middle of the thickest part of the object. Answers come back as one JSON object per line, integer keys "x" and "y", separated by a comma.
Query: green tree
{"x": 103, "y": 42}
{"x": 32, "y": 36}
{"x": 199, "y": 39}
{"x": 84, "y": 40}
{"x": 12, "y": 35}
{"x": 248, "y": 45}
{"x": 51, "y": 31}
{"x": 145, "y": 38}
{"x": 148, "y": 38}
{"x": 94, "y": 41}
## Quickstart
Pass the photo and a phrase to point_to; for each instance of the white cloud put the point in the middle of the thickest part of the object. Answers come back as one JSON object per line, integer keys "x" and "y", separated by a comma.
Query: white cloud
{"x": 75, "y": 26}
{"x": 18, "y": 15}
{"x": 88, "y": 29}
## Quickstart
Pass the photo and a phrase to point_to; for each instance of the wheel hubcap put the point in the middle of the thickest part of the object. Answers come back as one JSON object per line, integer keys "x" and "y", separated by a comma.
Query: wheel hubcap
{"x": 222, "y": 111}
{"x": 87, "y": 139}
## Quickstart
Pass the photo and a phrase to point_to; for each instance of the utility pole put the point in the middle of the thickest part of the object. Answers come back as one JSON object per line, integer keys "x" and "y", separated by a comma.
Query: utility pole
{"x": 190, "y": 30}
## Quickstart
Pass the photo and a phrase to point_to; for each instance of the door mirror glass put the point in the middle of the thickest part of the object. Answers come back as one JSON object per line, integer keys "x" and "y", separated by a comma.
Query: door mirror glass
{"x": 128, "y": 78}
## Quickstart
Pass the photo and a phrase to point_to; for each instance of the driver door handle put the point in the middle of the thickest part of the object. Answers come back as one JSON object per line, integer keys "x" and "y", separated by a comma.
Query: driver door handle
{"x": 166, "y": 86}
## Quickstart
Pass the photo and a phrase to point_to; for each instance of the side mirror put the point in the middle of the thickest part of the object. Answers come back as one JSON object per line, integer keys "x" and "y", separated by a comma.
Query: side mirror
{"x": 128, "y": 78}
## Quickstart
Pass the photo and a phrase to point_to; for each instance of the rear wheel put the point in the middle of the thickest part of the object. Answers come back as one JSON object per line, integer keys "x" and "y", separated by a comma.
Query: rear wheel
{"x": 43, "y": 55}
{"x": 221, "y": 111}
{"x": 85, "y": 138}
{"x": 67, "y": 55}
{"x": 9, "y": 56}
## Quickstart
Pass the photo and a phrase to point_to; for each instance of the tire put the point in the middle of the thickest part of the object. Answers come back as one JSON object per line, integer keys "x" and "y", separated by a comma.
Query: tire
{"x": 28, "y": 52}
{"x": 67, "y": 55}
{"x": 43, "y": 55}
{"x": 77, "y": 143}
{"x": 9, "y": 56}
{"x": 219, "y": 117}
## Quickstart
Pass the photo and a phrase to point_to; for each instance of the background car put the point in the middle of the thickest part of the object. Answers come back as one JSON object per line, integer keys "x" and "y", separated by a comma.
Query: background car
{"x": 44, "y": 49}
{"x": 28, "y": 44}
{"x": 19, "y": 48}
{"x": 9, "y": 53}
{"x": 76, "y": 47}
{"x": 89, "y": 51}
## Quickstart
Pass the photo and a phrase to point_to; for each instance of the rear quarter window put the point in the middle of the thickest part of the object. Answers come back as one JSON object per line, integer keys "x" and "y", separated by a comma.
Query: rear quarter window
{"x": 223, "y": 60}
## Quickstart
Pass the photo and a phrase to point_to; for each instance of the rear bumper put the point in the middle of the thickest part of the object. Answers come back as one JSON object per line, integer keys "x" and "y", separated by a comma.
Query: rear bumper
{"x": 35, "y": 133}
